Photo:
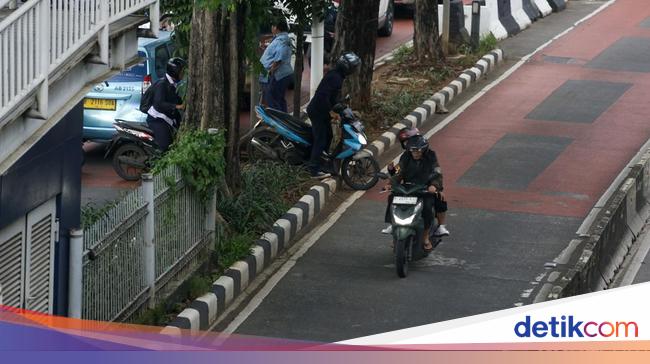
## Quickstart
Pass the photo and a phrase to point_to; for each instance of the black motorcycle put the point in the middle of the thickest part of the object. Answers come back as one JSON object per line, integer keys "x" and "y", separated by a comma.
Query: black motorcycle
{"x": 133, "y": 149}
{"x": 408, "y": 225}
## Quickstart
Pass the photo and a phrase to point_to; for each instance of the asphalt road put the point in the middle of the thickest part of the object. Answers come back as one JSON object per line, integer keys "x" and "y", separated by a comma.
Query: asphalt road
{"x": 523, "y": 166}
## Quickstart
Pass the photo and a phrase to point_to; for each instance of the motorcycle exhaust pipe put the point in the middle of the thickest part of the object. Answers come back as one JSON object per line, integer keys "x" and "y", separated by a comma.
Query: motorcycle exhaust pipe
{"x": 264, "y": 148}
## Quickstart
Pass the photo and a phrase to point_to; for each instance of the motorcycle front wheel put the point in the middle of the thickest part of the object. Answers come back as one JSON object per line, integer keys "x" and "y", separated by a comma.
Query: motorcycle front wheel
{"x": 129, "y": 161}
{"x": 360, "y": 174}
{"x": 401, "y": 257}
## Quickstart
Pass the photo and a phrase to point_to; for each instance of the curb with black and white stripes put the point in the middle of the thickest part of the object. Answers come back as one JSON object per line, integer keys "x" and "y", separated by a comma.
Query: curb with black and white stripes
{"x": 205, "y": 310}
{"x": 437, "y": 102}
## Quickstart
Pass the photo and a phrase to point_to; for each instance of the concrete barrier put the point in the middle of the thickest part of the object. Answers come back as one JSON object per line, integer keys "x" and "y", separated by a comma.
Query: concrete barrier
{"x": 543, "y": 6}
{"x": 557, "y": 5}
{"x": 602, "y": 248}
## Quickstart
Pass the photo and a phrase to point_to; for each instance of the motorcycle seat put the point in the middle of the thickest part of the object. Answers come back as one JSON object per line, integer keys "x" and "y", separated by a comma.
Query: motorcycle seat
{"x": 136, "y": 126}
{"x": 297, "y": 126}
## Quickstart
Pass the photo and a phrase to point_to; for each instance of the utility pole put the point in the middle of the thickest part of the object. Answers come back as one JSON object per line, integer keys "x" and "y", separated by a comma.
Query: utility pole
{"x": 445, "y": 26}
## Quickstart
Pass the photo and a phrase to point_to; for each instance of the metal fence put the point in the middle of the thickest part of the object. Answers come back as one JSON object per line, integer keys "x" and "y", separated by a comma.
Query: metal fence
{"x": 116, "y": 275}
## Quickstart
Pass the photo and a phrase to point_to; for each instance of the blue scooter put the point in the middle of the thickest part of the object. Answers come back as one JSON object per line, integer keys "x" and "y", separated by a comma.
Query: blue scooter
{"x": 279, "y": 136}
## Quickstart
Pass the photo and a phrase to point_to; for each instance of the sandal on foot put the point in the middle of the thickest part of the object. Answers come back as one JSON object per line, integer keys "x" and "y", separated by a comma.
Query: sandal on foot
{"x": 428, "y": 249}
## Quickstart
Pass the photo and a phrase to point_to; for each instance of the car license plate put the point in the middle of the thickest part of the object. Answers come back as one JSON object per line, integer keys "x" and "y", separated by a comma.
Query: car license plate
{"x": 100, "y": 104}
{"x": 403, "y": 200}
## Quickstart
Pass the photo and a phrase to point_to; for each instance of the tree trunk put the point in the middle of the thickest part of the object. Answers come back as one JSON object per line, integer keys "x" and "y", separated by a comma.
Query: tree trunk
{"x": 215, "y": 66}
{"x": 297, "y": 72}
{"x": 203, "y": 70}
{"x": 426, "y": 38}
{"x": 235, "y": 65}
{"x": 356, "y": 31}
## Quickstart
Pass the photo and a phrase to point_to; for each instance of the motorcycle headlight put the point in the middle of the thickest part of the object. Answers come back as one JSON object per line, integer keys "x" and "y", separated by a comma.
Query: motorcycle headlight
{"x": 362, "y": 139}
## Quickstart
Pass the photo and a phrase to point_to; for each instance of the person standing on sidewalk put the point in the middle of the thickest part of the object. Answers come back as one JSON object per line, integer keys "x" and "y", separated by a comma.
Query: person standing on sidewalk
{"x": 327, "y": 95}
{"x": 277, "y": 63}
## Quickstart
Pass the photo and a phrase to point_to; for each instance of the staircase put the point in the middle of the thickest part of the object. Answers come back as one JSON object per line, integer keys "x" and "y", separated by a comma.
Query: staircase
{"x": 42, "y": 41}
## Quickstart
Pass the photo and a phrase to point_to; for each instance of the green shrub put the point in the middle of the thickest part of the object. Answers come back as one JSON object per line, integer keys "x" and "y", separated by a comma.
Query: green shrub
{"x": 487, "y": 44}
{"x": 402, "y": 54}
{"x": 262, "y": 200}
{"x": 199, "y": 156}
{"x": 262, "y": 197}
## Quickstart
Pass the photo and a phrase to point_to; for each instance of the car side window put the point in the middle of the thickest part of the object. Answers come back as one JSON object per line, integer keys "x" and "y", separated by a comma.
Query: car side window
{"x": 162, "y": 56}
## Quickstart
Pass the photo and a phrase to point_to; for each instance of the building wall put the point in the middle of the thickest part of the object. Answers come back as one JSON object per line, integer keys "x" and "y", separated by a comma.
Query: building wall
{"x": 51, "y": 168}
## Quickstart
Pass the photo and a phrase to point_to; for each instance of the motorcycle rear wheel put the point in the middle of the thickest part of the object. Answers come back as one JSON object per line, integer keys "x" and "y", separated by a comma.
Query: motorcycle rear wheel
{"x": 126, "y": 170}
{"x": 360, "y": 174}
{"x": 270, "y": 139}
{"x": 401, "y": 257}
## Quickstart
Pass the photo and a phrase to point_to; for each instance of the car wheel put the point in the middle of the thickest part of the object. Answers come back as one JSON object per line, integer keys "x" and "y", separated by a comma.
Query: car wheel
{"x": 387, "y": 29}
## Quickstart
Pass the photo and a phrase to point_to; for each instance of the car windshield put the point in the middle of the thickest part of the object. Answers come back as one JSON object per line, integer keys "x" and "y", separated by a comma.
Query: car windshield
{"x": 133, "y": 74}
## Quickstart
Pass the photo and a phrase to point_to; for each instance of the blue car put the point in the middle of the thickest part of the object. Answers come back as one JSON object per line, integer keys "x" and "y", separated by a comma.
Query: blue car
{"x": 119, "y": 97}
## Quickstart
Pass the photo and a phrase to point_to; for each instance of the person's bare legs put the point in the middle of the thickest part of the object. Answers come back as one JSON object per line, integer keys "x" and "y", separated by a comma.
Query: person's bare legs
{"x": 427, "y": 242}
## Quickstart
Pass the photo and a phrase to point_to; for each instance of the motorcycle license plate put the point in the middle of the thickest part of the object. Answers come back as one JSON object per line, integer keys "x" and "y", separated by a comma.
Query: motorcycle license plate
{"x": 403, "y": 200}
{"x": 99, "y": 104}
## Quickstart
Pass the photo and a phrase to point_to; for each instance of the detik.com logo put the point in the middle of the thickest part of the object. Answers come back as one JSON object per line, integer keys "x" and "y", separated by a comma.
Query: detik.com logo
{"x": 568, "y": 326}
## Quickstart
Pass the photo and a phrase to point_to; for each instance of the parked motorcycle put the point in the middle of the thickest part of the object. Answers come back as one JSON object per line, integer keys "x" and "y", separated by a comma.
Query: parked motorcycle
{"x": 133, "y": 148}
{"x": 279, "y": 136}
{"x": 408, "y": 225}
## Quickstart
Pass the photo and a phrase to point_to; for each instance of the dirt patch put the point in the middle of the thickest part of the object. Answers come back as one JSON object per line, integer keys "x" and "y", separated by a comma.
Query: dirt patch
{"x": 402, "y": 85}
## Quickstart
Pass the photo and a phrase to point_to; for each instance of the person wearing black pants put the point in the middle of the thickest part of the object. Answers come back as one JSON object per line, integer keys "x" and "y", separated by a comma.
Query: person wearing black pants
{"x": 164, "y": 117}
{"x": 327, "y": 95}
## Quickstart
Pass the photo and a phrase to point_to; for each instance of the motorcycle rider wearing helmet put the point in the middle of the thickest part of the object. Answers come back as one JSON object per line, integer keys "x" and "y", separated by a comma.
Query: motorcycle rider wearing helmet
{"x": 327, "y": 95}
{"x": 164, "y": 117}
{"x": 419, "y": 165}
{"x": 403, "y": 136}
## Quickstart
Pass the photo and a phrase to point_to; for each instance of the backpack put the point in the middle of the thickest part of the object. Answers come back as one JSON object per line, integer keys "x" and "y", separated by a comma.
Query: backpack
{"x": 146, "y": 101}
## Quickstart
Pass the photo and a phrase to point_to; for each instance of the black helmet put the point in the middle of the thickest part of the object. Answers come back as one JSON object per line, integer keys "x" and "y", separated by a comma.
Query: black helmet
{"x": 174, "y": 67}
{"x": 417, "y": 142}
{"x": 405, "y": 134}
{"x": 348, "y": 63}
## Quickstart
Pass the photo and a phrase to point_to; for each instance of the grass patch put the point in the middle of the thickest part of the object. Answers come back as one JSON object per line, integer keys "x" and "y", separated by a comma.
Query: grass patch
{"x": 402, "y": 54}
{"x": 268, "y": 191}
{"x": 402, "y": 84}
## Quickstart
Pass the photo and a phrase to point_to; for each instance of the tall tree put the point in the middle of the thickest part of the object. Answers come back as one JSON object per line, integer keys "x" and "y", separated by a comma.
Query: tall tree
{"x": 216, "y": 66}
{"x": 356, "y": 31}
{"x": 426, "y": 38}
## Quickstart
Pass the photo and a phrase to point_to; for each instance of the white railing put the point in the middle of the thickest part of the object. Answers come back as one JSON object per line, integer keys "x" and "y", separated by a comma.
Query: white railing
{"x": 72, "y": 24}
{"x": 41, "y": 34}
{"x": 23, "y": 53}
{"x": 122, "y": 8}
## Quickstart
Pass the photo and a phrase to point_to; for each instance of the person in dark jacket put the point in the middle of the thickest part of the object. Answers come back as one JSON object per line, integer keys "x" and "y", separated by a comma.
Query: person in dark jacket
{"x": 164, "y": 115}
{"x": 327, "y": 95}
{"x": 419, "y": 165}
